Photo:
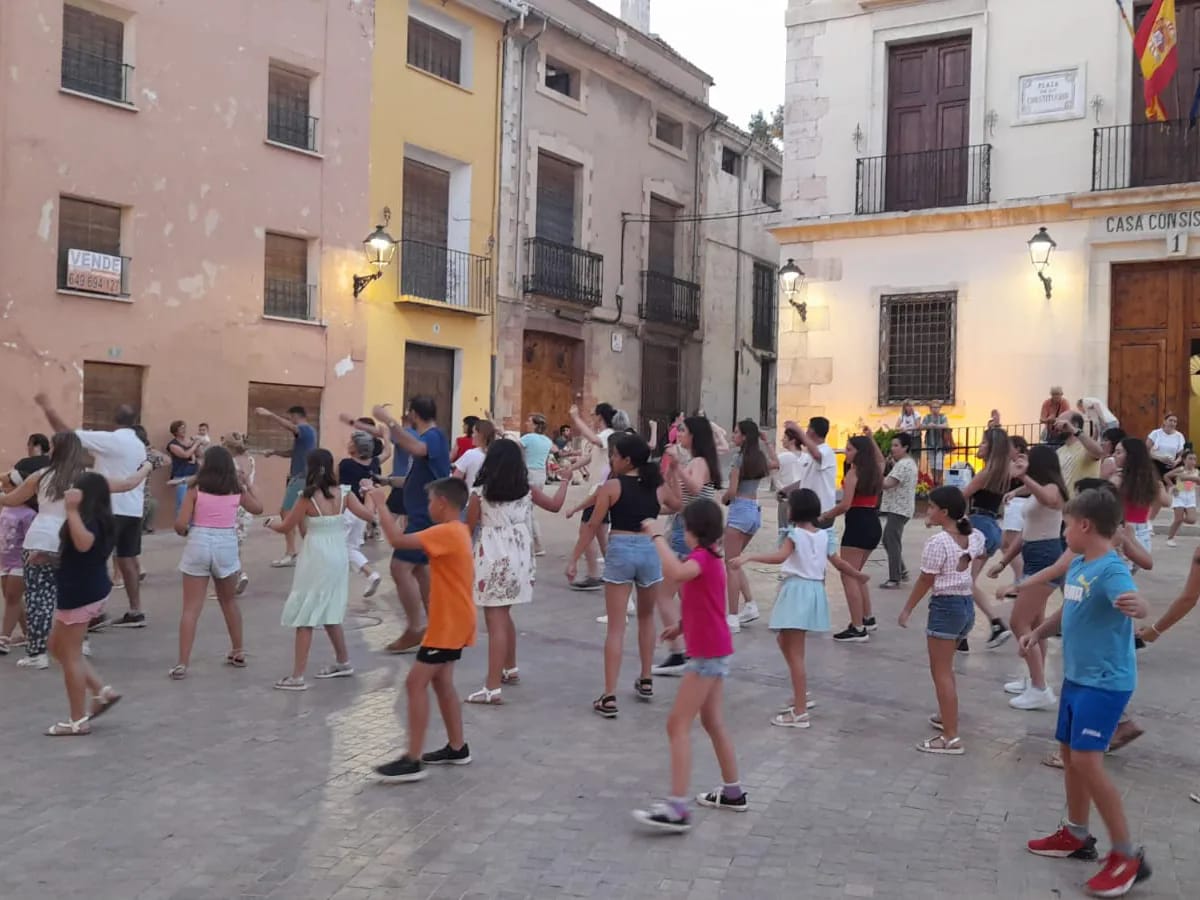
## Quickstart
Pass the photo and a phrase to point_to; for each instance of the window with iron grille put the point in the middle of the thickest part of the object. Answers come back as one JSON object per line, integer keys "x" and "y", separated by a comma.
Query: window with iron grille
{"x": 763, "y": 307}
{"x": 288, "y": 119}
{"x": 93, "y": 55}
{"x": 434, "y": 51}
{"x": 267, "y": 434}
{"x": 917, "y": 334}
{"x": 84, "y": 225}
{"x": 286, "y": 291}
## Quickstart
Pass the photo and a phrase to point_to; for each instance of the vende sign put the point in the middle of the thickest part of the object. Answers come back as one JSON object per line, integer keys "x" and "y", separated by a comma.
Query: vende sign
{"x": 95, "y": 272}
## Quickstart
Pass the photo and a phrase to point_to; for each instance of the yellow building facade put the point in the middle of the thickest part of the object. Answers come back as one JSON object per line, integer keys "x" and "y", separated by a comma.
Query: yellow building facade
{"x": 430, "y": 326}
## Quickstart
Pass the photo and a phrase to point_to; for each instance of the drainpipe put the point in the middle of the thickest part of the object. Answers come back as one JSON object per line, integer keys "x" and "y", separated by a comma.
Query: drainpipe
{"x": 737, "y": 281}
{"x": 616, "y": 320}
{"x": 696, "y": 200}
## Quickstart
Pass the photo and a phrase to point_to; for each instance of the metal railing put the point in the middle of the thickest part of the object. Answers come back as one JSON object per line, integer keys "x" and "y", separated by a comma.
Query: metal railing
{"x": 960, "y": 176}
{"x": 289, "y": 299}
{"x": 96, "y": 75}
{"x": 458, "y": 279}
{"x": 564, "y": 272}
{"x": 98, "y": 283}
{"x": 294, "y": 127}
{"x": 931, "y": 451}
{"x": 1150, "y": 153}
{"x": 669, "y": 301}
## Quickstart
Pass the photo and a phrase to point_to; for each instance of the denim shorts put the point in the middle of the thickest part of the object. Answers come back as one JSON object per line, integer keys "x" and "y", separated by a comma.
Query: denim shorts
{"x": 710, "y": 666}
{"x": 295, "y": 486}
{"x": 1038, "y": 555}
{"x": 745, "y": 515}
{"x": 632, "y": 559}
{"x": 950, "y": 618}
{"x": 989, "y": 526}
{"x": 1088, "y": 716}
{"x": 210, "y": 551}
{"x": 677, "y": 540}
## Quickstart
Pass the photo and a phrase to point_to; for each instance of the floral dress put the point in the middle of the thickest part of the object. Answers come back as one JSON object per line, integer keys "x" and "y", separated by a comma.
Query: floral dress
{"x": 504, "y": 566}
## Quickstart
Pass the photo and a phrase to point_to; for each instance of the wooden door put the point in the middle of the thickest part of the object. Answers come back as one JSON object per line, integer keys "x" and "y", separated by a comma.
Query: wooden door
{"x": 107, "y": 386}
{"x": 429, "y": 372}
{"x": 1137, "y": 382}
{"x": 548, "y": 377}
{"x": 1168, "y": 153}
{"x": 660, "y": 384}
{"x": 928, "y": 123}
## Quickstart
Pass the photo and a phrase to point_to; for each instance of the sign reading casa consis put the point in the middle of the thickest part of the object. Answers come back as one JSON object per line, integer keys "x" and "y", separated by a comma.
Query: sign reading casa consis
{"x": 98, "y": 273}
{"x": 1154, "y": 223}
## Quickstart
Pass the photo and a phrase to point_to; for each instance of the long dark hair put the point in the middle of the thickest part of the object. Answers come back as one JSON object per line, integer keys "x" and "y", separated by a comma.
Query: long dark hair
{"x": 755, "y": 465}
{"x": 1044, "y": 468}
{"x": 95, "y": 508}
{"x": 870, "y": 474}
{"x": 67, "y": 463}
{"x": 218, "y": 475}
{"x": 635, "y": 449}
{"x": 951, "y": 499}
{"x": 704, "y": 519}
{"x": 503, "y": 475}
{"x": 321, "y": 475}
{"x": 704, "y": 445}
{"x": 995, "y": 469}
{"x": 1139, "y": 478}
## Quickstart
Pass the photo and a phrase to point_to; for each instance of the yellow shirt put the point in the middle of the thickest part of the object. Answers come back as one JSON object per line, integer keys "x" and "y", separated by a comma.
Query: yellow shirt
{"x": 1076, "y": 464}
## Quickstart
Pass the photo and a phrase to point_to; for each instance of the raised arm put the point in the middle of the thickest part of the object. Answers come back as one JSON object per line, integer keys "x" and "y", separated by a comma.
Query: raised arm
{"x": 56, "y": 421}
{"x": 411, "y": 445}
{"x": 583, "y": 429}
{"x": 1095, "y": 451}
{"x": 278, "y": 420}
{"x": 673, "y": 568}
{"x": 813, "y": 447}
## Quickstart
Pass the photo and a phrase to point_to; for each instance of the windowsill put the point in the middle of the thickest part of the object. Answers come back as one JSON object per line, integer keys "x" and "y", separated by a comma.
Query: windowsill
{"x": 294, "y": 149}
{"x": 440, "y": 80}
{"x": 667, "y": 148}
{"x": 112, "y": 298}
{"x": 410, "y": 300}
{"x": 311, "y": 323}
{"x": 565, "y": 99}
{"x": 83, "y": 95}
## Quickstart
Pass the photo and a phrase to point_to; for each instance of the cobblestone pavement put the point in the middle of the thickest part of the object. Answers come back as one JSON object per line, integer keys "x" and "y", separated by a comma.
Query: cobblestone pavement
{"x": 220, "y": 787}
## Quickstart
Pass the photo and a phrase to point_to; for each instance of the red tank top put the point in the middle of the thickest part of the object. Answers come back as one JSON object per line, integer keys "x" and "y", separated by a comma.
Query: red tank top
{"x": 1137, "y": 515}
{"x": 869, "y": 501}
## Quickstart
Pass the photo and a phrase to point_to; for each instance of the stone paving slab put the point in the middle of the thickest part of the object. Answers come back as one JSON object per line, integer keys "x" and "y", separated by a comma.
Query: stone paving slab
{"x": 220, "y": 787}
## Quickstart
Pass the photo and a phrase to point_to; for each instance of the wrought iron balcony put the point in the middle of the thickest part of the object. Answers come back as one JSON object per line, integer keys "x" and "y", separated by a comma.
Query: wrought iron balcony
{"x": 440, "y": 275}
{"x": 289, "y": 299}
{"x": 291, "y": 126}
{"x": 930, "y": 179}
{"x": 564, "y": 272}
{"x": 670, "y": 301}
{"x": 96, "y": 75}
{"x": 1144, "y": 155}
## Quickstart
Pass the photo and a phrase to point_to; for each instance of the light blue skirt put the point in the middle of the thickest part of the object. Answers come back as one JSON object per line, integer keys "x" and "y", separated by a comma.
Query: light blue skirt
{"x": 801, "y": 605}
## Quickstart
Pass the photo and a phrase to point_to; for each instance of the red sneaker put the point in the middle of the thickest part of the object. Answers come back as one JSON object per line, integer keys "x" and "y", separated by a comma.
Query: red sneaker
{"x": 1064, "y": 845}
{"x": 1118, "y": 875}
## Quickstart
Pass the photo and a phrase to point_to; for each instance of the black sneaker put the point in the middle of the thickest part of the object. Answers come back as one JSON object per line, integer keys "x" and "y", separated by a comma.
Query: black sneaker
{"x": 587, "y": 584}
{"x": 131, "y": 619}
{"x": 98, "y": 623}
{"x": 963, "y": 646}
{"x": 1000, "y": 634}
{"x": 1144, "y": 870}
{"x": 717, "y": 800}
{"x": 852, "y": 635}
{"x": 662, "y": 817}
{"x": 1139, "y": 644}
{"x": 870, "y": 624}
{"x": 672, "y": 665}
{"x": 401, "y": 770}
{"x": 447, "y": 756}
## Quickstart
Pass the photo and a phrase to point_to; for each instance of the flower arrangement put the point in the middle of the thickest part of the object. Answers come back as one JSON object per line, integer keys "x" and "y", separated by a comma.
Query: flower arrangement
{"x": 924, "y": 485}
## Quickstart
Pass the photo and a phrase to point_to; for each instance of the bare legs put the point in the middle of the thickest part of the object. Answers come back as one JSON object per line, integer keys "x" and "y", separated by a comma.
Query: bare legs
{"x": 791, "y": 645}
{"x": 941, "y": 667}
{"x": 736, "y": 582}
{"x": 616, "y": 596}
{"x": 304, "y": 638}
{"x": 1086, "y": 783}
{"x": 194, "y": 589}
{"x": 698, "y": 695}
{"x": 858, "y": 595}
{"x": 1181, "y": 516}
{"x": 502, "y": 643}
{"x": 977, "y": 593}
{"x": 1017, "y": 565}
{"x": 1028, "y": 612}
{"x": 66, "y": 646}
{"x": 441, "y": 677}
{"x": 128, "y": 567}
{"x": 412, "y": 590}
{"x": 13, "y": 589}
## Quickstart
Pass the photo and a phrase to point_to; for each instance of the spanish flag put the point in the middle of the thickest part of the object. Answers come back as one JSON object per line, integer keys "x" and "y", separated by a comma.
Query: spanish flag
{"x": 1155, "y": 47}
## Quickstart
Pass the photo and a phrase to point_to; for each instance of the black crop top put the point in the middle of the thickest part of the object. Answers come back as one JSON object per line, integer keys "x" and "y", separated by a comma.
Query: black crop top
{"x": 987, "y": 501}
{"x": 636, "y": 504}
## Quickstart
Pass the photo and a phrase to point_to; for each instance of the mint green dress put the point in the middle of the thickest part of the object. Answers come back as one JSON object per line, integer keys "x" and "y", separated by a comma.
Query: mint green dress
{"x": 322, "y": 575}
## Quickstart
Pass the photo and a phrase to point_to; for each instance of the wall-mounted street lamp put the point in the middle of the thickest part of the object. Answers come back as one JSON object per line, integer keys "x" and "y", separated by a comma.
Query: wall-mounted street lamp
{"x": 1041, "y": 246}
{"x": 379, "y": 247}
{"x": 791, "y": 279}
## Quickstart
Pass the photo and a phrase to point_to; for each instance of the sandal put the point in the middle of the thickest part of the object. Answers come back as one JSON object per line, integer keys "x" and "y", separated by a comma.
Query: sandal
{"x": 644, "y": 688}
{"x": 510, "y": 676}
{"x": 485, "y": 697}
{"x": 70, "y": 729}
{"x": 104, "y": 701}
{"x": 291, "y": 684}
{"x": 939, "y": 745}
{"x": 936, "y": 721}
{"x": 606, "y": 705}
{"x": 178, "y": 673}
{"x": 236, "y": 658}
{"x": 4, "y": 645}
{"x": 789, "y": 719}
{"x": 1053, "y": 760}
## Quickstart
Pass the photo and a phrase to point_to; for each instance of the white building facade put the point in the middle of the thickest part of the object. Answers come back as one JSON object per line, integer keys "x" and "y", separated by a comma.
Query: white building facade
{"x": 926, "y": 142}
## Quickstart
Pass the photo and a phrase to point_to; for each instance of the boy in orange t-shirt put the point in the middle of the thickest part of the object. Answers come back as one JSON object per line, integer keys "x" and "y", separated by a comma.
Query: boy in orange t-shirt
{"x": 451, "y": 627}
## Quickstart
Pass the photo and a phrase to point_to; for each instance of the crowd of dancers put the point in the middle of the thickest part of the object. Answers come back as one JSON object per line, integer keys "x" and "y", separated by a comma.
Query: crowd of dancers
{"x": 1072, "y": 512}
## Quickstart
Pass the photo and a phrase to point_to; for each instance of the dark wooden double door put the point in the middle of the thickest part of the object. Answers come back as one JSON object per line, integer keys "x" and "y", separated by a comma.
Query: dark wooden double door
{"x": 550, "y": 376}
{"x": 1154, "y": 343}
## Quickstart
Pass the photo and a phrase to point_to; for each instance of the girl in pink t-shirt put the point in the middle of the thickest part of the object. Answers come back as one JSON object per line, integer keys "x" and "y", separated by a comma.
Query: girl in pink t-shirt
{"x": 701, "y": 576}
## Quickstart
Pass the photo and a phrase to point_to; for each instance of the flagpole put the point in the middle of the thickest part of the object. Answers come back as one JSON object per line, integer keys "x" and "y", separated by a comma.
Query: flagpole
{"x": 1125, "y": 18}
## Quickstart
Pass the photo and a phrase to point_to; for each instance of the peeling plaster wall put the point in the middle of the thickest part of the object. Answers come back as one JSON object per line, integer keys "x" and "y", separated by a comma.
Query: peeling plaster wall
{"x": 200, "y": 187}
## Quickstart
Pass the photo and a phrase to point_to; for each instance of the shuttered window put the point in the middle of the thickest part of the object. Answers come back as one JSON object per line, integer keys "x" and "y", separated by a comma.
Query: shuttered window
{"x": 434, "y": 51}
{"x": 93, "y": 51}
{"x": 426, "y": 214}
{"x": 107, "y": 386}
{"x": 662, "y": 236}
{"x": 286, "y": 291}
{"x": 556, "y": 182}
{"x": 84, "y": 225}
{"x": 267, "y": 434}
{"x": 288, "y": 119}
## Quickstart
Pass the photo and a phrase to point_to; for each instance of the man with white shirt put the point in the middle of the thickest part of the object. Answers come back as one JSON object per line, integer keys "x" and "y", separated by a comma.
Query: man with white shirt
{"x": 818, "y": 470}
{"x": 118, "y": 454}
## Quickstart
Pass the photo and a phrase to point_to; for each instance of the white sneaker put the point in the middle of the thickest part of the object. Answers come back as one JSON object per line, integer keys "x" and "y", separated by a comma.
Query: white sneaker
{"x": 749, "y": 613}
{"x": 603, "y": 620}
{"x": 1034, "y": 699}
{"x": 41, "y": 661}
{"x": 87, "y": 647}
{"x": 1171, "y": 542}
{"x": 734, "y": 625}
{"x": 372, "y": 584}
{"x": 1016, "y": 687}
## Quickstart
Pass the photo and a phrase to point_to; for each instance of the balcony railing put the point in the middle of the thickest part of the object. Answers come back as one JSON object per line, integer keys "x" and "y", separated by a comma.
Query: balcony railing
{"x": 564, "y": 272}
{"x": 930, "y": 179}
{"x": 440, "y": 275}
{"x": 670, "y": 301}
{"x": 293, "y": 127}
{"x": 289, "y": 299}
{"x": 102, "y": 284}
{"x": 99, "y": 76}
{"x": 1146, "y": 154}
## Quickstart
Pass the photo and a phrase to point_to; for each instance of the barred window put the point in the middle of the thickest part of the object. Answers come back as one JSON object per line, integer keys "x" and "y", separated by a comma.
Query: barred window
{"x": 434, "y": 51}
{"x": 93, "y": 48}
{"x": 286, "y": 291}
{"x": 288, "y": 119}
{"x": 917, "y": 349}
{"x": 763, "y": 308}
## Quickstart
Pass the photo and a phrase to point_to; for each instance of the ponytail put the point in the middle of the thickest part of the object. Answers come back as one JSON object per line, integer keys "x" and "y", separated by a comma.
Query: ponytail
{"x": 633, "y": 448}
{"x": 964, "y": 526}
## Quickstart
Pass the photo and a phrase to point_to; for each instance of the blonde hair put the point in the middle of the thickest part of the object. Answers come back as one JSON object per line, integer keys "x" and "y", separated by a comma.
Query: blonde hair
{"x": 234, "y": 442}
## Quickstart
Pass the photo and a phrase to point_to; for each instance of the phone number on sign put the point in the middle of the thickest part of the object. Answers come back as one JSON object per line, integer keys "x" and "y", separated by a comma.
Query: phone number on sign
{"x": 97, "y": 282}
